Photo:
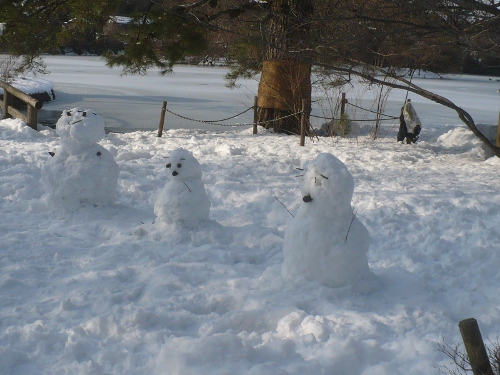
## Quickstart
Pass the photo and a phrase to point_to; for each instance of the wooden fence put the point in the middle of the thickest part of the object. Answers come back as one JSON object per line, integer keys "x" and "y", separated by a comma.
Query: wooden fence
{"x": 7, "y": 105}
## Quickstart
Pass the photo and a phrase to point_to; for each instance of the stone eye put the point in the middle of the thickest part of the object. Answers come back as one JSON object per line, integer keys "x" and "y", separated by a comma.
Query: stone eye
{"x": 179, "y": 165}
{"x": 98, "y": 153}
{"x": 169, "y": 165}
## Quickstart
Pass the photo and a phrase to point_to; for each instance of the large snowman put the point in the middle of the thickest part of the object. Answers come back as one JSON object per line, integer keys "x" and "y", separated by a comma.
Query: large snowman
{"x": 325, "y": 242}
{"x": 183, "y": 200}
{"x": 81, "y": 172}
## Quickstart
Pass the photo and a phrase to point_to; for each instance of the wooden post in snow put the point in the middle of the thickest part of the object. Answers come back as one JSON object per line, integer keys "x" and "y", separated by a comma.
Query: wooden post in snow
{"x": 474, "y": 346}
{"x": 343, "y": 102}
{"x": 255, "y": 115}
{"x": 9, "y": 92}
{"x": 162, "y": 119}
{"x": 303, "y": 124}
{"x": 498, "y": 131}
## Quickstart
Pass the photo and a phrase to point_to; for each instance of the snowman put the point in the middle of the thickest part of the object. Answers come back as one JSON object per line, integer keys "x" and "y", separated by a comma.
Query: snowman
{"x": 81, "y": 172}
{"x": 183, "y": 200}
{"x": 325, "y": 242}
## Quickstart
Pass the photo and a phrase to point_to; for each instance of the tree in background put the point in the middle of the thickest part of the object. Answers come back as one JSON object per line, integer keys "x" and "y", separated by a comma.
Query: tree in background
{"x": 286, "y": 71}
{"x": 282, "y": 39}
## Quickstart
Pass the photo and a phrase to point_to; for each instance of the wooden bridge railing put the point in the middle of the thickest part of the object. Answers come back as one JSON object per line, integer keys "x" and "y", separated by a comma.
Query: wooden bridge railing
{"x": 33, "y": 105}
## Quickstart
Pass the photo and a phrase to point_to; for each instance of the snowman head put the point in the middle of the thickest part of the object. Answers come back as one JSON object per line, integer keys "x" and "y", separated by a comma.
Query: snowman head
{"x": 82, "y": 126}
{"x": 326, "y": 182}
{"x": 183, "y": 165}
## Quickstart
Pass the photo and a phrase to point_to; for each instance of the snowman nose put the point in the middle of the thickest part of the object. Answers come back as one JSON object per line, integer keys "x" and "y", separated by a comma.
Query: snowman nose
{"x": 174, "y": 173}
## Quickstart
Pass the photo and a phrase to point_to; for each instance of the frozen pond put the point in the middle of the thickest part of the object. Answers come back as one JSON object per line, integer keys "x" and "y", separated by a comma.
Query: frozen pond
{"x": 134, "y": 102}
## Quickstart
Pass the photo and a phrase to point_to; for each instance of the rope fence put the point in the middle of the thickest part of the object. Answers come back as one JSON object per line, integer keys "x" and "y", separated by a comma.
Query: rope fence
{"x": 218, "y": 122}
{"x": 255, "y": 123}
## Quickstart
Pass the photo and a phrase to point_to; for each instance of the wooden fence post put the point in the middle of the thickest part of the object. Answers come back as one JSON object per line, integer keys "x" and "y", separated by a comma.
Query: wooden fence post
{"x": 343, "y": 102}
{"x": 255, "y": 115}
{"x": 498, "y": 131}
{"x": 32, "y": 117}
{"x": 474, "y": 346}
{"x": 162, "y": 118}
{"x": 9, "y": 93}
{"x": 7, "y": 102}
{"x": 303, "y": 124}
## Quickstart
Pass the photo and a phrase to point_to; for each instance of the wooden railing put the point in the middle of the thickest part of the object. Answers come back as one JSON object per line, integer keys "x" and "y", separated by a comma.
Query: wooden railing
{"x": 33, "y": 105}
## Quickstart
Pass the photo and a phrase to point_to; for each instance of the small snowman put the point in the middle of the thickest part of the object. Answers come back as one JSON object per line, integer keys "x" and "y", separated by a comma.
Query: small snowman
{"x": 325, "y": 242}
{"x": 183, "y": 200}
{"x": 81, "y": 172}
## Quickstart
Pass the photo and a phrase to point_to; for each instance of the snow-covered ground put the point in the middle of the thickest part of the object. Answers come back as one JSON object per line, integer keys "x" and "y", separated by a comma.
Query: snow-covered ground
{"x": 107, "y": 290}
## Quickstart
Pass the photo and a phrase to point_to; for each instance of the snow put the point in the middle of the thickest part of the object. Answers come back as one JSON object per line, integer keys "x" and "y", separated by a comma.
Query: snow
{"x": 106, "y": 290}
{"x": 183, "y": 199}
{"x": 81, "y": 172}
{"x": 326, "y": 225}
{"x": 32, "y": 85}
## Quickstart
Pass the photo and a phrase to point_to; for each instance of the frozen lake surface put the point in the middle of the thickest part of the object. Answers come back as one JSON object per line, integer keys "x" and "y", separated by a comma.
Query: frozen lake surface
{"x": 134, "y": 102}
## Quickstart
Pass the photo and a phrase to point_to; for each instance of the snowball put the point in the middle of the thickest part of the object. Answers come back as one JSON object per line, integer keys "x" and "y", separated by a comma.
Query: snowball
{"x": 325, "y": 242}
{"x": 183, "y": 199}
{"x": 87, "y": 177}
{"x": 78, "y": 127}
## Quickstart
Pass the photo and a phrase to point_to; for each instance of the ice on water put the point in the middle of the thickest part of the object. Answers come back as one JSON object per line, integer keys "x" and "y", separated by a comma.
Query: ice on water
{"x": 325, "y": 242}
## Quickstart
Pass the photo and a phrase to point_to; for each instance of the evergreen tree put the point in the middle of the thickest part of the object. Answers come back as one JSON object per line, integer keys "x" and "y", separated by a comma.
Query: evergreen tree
{"x": 282, "y": 39}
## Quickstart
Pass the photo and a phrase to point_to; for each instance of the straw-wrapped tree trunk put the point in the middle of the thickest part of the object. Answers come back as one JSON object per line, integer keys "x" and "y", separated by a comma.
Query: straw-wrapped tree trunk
{"x": 286, "y": 77}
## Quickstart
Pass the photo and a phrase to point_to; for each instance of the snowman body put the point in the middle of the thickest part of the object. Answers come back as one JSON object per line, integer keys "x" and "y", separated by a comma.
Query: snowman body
{"x": 325, "y": 242}
{"x": 183, "y": 200}
{"x": 81, "y": 172}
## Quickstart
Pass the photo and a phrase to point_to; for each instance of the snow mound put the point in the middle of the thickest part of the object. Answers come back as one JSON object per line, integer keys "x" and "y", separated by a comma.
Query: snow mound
{"x": 462, "y": 140}
{"x": 16, "y": 129}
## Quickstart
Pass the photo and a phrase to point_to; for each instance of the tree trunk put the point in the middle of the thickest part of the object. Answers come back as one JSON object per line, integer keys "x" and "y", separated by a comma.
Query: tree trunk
{"x": 285, "y": 79}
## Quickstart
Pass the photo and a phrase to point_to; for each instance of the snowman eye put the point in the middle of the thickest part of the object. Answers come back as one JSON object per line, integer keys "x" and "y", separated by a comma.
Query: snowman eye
{"x": 68, "y": 113}
{"x": 98, "y": 153}
{"x": 169, "y": 165}
{"x": 84, "y": 114}
{"x": 179, "y": 165}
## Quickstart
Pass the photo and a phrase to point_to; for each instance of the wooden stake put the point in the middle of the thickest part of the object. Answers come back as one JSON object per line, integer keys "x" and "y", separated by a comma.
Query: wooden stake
{"x": 498, "y": 131}
{"x": 474, "y": 346}
{"x": 162, "y": 119}
{"x": 7, "y": 102}
{"x": 32, "y": 117}
{"x": 343, "y": 102}
{"x": 303, "y": 124}
{"x": 255, "y": 115}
